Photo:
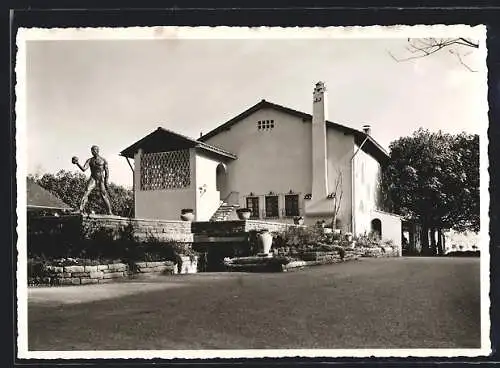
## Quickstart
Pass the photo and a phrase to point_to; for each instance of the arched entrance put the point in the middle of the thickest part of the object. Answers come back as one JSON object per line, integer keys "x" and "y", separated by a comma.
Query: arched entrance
{"x": 221, "y": 180}
{"x": 377, "y": 227}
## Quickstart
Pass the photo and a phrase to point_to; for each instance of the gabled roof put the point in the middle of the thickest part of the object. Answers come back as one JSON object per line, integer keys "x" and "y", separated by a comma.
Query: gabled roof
{"x": 40, "y": 198}
{"x": 371, "y": 146}
{"x": 163, "y": 139}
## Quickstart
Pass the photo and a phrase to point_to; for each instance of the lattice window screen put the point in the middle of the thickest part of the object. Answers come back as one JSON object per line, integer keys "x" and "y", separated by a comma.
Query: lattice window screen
{"x": 165, "y": 170}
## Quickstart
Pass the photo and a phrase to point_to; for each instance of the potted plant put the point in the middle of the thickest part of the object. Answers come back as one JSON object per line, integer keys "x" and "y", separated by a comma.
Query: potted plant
{"x": 298, "y": 220}
{"x": 187, "y": 214}
{"x": 243, "y": 213}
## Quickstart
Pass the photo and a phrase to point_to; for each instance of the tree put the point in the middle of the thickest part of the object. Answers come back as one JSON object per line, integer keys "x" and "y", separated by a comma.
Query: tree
{"x": 336, "y": 195}
{"x": 70, "y": 186}
{"x": 434, "y": 178}
{"x": 422, "y": 47}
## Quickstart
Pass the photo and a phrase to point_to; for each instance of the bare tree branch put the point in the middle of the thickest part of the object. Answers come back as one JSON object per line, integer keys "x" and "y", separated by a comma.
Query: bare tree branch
{"x": 469, "y": 42}
{"x": 461, "y": 61}
{"x": 422, "y": 47}
{"x": 337, "y": 197}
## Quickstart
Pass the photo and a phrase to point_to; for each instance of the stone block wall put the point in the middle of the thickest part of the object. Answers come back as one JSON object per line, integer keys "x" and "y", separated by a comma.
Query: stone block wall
{"x": 82, "y": 275}
{"x": 236, "y": 227}
{"x": 142, "y": 229}
{"x": 376, "y": 252}
{"x": 218, "y": 228}
{"x": 165, "y": 267}
{"x": 104, "y": 273}
{"x": 271, "y": 226}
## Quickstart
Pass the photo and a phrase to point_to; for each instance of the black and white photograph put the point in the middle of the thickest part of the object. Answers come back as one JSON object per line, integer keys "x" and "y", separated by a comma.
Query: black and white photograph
{"x": 233, "y": 192}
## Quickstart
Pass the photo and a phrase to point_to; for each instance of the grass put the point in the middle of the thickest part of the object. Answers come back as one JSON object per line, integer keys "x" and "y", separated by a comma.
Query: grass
{"x": 374, "y": 303}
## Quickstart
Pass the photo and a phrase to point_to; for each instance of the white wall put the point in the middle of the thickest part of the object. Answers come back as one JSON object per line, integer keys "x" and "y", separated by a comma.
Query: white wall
{"x": 366, "y": 189}
{"x": 280, "y": 160}
{"x": 340, "y": 151}
{"x": 164, "y": 204}
{"x": 461, "y": 240}
{"x": 208, "y": 200}
{"x": 277, "y": 160}
{"x": 391, "y": 226}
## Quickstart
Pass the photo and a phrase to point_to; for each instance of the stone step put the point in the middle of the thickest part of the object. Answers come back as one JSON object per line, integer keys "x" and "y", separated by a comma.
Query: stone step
{"x": 223, "y": 212}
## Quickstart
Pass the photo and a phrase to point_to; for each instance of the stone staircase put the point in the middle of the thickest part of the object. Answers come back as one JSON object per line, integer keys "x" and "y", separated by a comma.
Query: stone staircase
{"x": 223, "y": 212}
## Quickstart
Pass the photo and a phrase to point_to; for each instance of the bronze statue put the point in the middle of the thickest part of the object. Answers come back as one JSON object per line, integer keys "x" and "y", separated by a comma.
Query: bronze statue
{"x": 99, "y": 175}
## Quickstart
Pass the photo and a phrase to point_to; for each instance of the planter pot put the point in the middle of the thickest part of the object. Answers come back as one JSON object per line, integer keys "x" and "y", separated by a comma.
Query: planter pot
{"x": 266, "y": 241}
{"x": 187, "y": 215}
{"x": 243, "y": 215}
{"x": 299, "y": 221}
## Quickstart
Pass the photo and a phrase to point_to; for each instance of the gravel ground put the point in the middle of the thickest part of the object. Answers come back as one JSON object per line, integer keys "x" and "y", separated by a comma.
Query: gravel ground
{"x": 371, "y": 303}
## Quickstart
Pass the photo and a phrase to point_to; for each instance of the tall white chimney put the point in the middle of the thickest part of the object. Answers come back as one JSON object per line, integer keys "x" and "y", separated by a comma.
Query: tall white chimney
{"x": 319, "y": 153}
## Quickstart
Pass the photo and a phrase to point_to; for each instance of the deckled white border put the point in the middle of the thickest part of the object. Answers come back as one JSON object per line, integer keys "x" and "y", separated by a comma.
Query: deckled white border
{"x": 138, "y": 33}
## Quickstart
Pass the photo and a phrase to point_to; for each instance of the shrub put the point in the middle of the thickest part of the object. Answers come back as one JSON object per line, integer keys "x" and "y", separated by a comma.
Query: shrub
{"x": 303, "y": 236}
{"x": 372, "y": 240}
{"x": 389, "y": 242}
{"x": 67, "y": 244}
{"x": 37, "y": 267}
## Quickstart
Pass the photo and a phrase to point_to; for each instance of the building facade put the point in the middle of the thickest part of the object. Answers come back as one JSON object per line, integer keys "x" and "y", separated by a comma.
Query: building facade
{"x": 278, "y": 162}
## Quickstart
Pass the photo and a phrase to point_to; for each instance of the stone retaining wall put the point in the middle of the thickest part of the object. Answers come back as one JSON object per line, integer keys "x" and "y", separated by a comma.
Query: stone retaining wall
{"x": 229, "y": 228}
{"x": 81, "y": 275}
{"x": 99, "y": 274}
{"x": 143, "y": 229}
{"x": 267, "y": 265}
{"x": 376, "y": 252}
{"x": 271, "y": 226}
{"x": 76, "y": 227}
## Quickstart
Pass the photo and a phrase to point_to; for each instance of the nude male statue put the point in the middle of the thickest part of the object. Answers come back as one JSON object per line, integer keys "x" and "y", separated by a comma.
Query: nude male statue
{"x": 99, "y": 175}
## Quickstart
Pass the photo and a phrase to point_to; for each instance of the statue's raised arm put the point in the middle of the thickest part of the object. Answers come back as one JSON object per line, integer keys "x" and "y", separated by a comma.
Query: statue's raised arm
{"x": 77, "y": 163}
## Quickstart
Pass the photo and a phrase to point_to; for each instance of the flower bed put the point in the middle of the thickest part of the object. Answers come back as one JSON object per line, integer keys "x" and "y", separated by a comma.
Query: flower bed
{"x": 375, "y": 252}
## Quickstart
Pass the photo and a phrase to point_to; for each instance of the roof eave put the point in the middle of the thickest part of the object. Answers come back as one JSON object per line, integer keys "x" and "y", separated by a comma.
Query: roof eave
{"x": 130, "y": 151}
{"x": 217, "y": 151}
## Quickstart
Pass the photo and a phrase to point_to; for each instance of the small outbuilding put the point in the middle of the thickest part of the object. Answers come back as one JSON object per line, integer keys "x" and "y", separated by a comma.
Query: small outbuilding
{"x": 42, "y": 202}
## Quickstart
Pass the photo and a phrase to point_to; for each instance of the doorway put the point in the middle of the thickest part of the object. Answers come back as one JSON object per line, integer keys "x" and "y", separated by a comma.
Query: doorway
{"x": 376, "y": 227}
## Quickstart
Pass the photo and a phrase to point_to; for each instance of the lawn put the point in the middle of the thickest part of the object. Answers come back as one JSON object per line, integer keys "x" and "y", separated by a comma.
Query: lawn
{"x": 372, "y": 303}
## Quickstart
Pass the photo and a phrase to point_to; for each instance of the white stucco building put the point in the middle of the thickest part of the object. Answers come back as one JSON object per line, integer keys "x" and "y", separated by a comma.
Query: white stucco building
{"x": 277, "y": 161}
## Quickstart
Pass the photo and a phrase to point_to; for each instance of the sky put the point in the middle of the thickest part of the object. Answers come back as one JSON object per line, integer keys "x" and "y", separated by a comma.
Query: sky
{"x": 114, "y": 92}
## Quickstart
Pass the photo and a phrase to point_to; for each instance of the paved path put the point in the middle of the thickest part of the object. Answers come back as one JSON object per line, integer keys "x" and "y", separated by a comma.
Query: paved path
{"x": 372, "y": 303}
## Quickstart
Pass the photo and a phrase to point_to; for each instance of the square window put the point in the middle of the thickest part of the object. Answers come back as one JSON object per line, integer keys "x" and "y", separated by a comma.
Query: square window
{"x": 253, "y": 205}
{"x": 272, "y": 206}
{"x": 291, "y": 205}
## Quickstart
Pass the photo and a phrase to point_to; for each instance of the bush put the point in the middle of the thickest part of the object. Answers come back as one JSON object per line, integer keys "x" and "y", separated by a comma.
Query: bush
{"x": 62, "y": 241}
{"x": 37, "y": 267}
{"x": 467, "y": 253}
{"x": 303, "y": 236}
{"x": 372, "y": 240}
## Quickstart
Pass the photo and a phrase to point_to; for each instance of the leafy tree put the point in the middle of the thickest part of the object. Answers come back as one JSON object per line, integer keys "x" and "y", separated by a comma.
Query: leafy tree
{"x": 70, "y": 186}
{"x": 434, "y": 178}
